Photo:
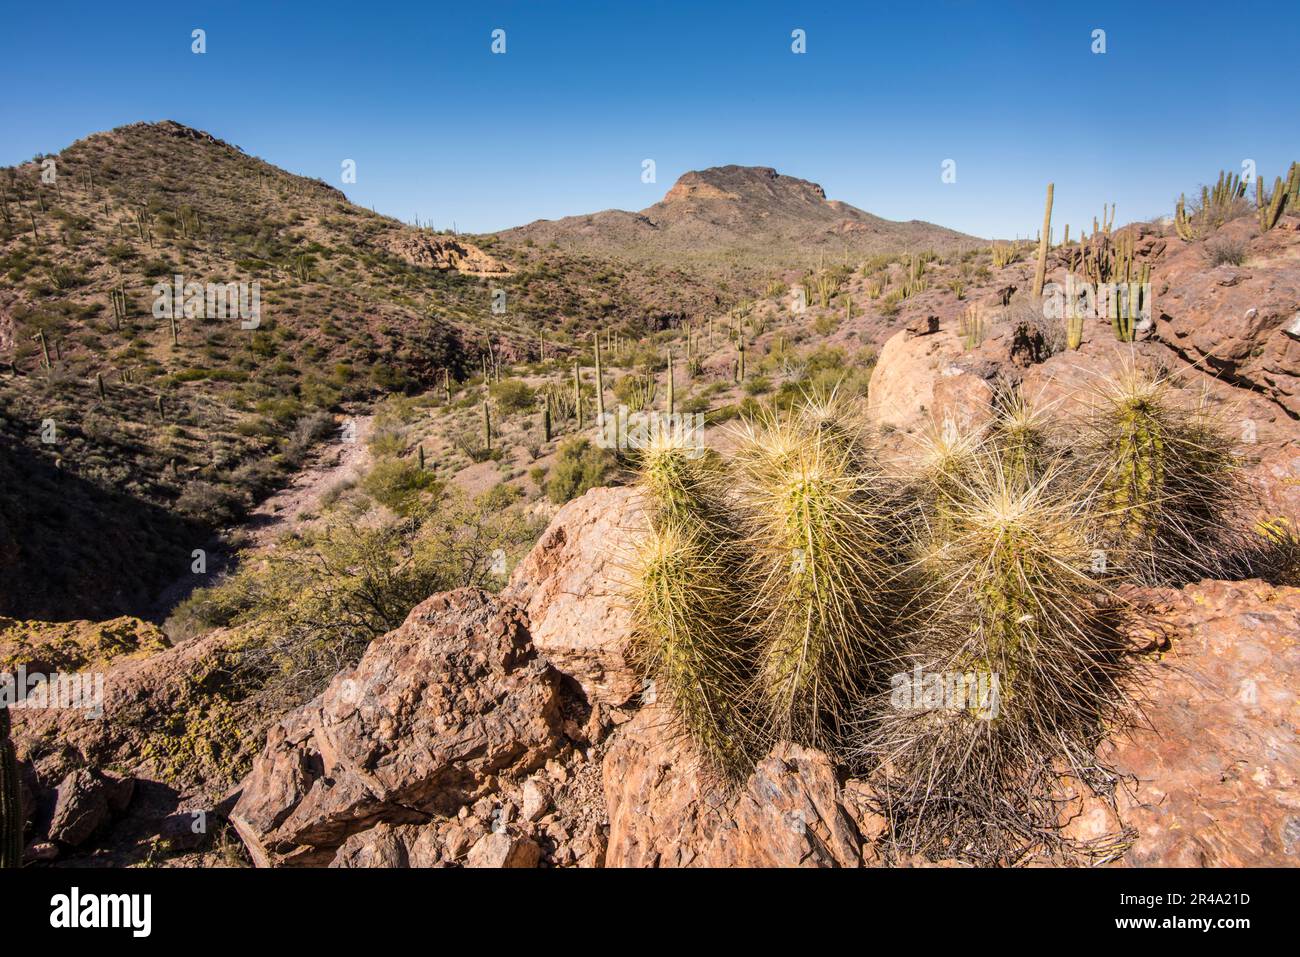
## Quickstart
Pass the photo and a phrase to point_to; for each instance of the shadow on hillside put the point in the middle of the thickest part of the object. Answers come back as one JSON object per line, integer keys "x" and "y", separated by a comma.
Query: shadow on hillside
{"x": 72, "y": 549}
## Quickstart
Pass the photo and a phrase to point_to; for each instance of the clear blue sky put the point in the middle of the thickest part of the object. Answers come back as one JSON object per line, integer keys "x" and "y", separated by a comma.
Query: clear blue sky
{"x": 442, "y": 128}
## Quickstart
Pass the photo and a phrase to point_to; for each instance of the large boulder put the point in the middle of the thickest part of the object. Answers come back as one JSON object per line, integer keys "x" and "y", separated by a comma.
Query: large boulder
{"x": 910, "y": 367}
{"x": 85, "y": 801}
{"x": 569, "y": 586}
{"x": 428, "y": 720}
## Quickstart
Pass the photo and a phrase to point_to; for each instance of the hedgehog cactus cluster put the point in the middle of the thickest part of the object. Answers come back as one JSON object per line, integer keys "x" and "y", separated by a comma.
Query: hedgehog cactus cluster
{"x": 780, "y": 592}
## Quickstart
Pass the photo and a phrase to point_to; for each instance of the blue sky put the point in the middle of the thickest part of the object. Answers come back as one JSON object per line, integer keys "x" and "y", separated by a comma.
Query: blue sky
{"x": 441, "y": 128}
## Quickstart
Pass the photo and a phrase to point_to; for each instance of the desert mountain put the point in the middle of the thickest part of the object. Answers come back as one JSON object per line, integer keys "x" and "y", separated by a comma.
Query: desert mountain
{"x": 747, "y": 213}
{"x": 132, "y": 434}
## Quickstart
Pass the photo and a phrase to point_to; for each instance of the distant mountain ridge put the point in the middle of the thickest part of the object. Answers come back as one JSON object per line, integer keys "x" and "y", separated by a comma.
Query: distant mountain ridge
{"x": 740, "y": 210}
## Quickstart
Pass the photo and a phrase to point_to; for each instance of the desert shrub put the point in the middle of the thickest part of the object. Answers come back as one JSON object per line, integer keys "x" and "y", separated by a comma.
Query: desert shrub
{"x": 400, "y": 485}
{"x": 636, "y": 391}
{"x": 312, "y": 605}
{"x": 209, "y": 502}
{"x": 579, "y": 466}
{"x": 826, "y": 323}
{"x": 386, "y": 440}
{"x": 1221, "y": 251}
{"x": 513, "y": 395}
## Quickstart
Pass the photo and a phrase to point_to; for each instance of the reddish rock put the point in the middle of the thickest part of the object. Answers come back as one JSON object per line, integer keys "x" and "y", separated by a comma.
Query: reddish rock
{"x": 1238, "y": 321}
{"x": 389, "y": 845}
{"x": 427, "y": 721}
{"x": 792, "y": 812}
{"x": 85, "y": 801}
{"x": 1217, "y": 771}
{"x": 569, "y": 585}
{"x": 902, "y": 393}
{"x": 502, "y": 849}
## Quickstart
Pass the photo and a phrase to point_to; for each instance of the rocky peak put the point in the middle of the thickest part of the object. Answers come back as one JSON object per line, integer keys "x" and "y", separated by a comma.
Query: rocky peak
{"x": 739, "y": 183}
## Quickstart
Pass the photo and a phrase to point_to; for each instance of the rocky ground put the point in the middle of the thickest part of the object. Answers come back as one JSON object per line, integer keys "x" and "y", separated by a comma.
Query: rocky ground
{"x": 511, "y": 729}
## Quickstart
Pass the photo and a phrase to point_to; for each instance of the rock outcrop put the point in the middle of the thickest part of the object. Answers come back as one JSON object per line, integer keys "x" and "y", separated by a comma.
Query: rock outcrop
{"x": 423, "y": 726}
{"x": 792, "y": 812}
{"x": 1212, "y": 778}
{"x": 1240, "y": 322}
{"x": 445, "y": 253}
{"x": 569, "y": 589}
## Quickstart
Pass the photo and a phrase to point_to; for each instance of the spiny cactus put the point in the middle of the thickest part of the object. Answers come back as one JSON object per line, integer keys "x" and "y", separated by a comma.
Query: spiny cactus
{"x": 970, "y": 326}
{"x": 11, "y": 805}
{"x": 1284, "y": 196}
{"x": 669, "y": 400}
{"x": 1182, "y": 221}
{"x": 1020, "y": 435}
{"x": 1014, "y": 627}
{"x": 1004, "y": 254}
{"x": 117, "y": 298}
{"x": 1168, "y": 482}
{"x": 487, "y": 427}
{"x": 577, "y": 393}
{"x": 45, "y": 349}
{"x": 600, "y": 380}
{"x": 685, "y": 601}
{"x": 825, "y": 570}
{"x": 1216, "y": 206}
{"x": 1074, "y": 329}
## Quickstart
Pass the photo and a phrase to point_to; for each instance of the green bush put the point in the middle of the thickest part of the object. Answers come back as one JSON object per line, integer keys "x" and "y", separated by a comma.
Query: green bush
{"x": 399, "y": 485}
{"x": 311, "y": 606}
{"x": 579, "y": 466}
{"x": 513, "y": 395}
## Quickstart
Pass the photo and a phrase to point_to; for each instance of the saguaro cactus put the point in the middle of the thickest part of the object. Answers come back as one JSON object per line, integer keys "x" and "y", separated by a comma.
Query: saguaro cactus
{"x": 11, "y": 805}
{"x": 546, "y": 417}
{"x": 1044, "y": 239}
{"x": 577, "y": 393}
{"x": 600, "y": 381}
{"x": 487, "y": 427}
{"x": 45, "y": 349}
{"x": 669, "y": 403}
